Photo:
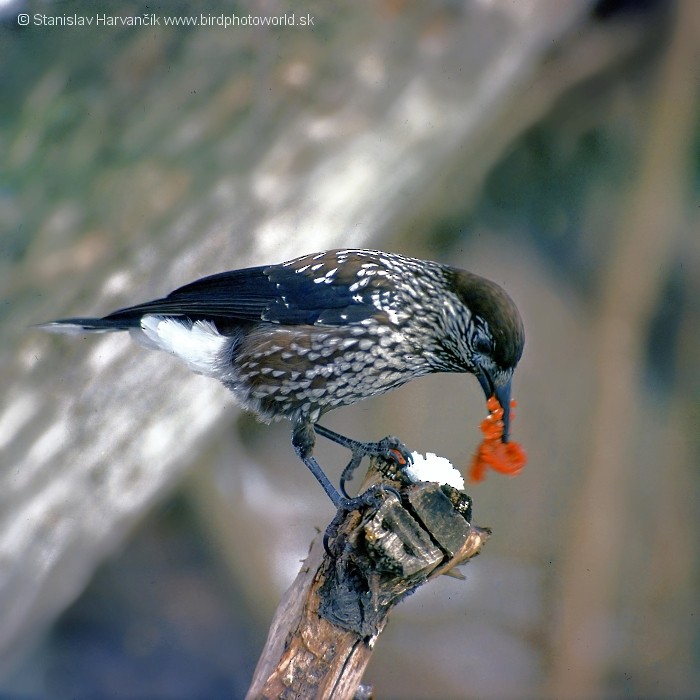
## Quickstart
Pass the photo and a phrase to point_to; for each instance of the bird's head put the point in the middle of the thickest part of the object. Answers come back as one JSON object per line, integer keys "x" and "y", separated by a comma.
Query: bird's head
{"x": 493, "y": 339}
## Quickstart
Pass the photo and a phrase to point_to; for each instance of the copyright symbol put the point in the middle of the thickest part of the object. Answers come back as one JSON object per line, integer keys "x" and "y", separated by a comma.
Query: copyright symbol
{"x": 23, "y": 20}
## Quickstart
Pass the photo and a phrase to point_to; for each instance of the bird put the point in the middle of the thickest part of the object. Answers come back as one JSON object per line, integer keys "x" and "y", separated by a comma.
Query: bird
{"x": 297, "y": 339}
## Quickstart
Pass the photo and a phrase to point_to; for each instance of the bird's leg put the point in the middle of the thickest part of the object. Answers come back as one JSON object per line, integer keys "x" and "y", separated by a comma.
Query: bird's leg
{"x": 303, "y": 440}
{"x": 390, "y": 448}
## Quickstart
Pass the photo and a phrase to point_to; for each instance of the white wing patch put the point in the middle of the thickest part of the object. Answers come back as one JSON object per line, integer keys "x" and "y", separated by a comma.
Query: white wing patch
{"x": 199, "y": 344}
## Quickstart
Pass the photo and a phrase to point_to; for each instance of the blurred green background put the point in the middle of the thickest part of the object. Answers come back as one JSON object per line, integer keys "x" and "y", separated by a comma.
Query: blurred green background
{"x": 148, "y": 528}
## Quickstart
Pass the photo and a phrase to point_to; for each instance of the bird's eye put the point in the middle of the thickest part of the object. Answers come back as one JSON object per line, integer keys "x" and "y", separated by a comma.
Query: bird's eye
{"x": 482, "y": 345}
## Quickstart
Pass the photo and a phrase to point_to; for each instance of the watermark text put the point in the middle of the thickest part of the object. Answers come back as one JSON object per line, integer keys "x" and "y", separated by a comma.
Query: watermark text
{"x": 41, "y": 19}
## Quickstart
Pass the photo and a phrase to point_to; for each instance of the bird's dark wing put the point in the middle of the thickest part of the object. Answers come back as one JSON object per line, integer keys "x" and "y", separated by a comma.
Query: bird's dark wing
{"x": 240, "y": 294}
{"x": 308, "y": 290}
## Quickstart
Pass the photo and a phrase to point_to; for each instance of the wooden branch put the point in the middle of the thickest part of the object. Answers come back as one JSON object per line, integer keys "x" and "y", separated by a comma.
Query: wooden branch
{"x": 327, "y": 624}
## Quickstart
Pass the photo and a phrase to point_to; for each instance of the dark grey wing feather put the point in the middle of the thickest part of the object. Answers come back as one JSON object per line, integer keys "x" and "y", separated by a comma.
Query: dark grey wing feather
{"x": 282, "y": 294}
{"x": 240, "y": 294}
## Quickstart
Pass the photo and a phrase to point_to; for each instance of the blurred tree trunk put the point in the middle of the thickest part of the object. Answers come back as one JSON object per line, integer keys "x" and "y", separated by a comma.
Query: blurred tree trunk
{"x": 630, "y": 292}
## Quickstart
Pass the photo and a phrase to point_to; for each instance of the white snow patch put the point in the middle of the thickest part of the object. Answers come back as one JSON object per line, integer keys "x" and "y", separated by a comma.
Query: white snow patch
{"x": 434, "y": 468}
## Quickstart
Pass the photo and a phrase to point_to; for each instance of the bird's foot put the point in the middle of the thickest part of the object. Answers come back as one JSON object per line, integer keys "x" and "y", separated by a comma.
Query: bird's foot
{"x": 371, "y": 498}
{"x": 389, "y": 448}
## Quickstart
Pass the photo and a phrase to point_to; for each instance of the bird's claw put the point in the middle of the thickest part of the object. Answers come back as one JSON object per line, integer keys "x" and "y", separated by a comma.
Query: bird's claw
{"x": 370, "y": 497}
{"x": 389, "y": 448}
{"x": 393, "y": 450}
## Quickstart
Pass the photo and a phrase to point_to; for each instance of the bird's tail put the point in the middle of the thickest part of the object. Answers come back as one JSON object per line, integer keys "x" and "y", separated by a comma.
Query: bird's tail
{"x": 76, "y": 326}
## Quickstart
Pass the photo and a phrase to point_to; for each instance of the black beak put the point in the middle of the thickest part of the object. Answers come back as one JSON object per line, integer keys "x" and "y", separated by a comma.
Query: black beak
{"x": 502, "y": 394}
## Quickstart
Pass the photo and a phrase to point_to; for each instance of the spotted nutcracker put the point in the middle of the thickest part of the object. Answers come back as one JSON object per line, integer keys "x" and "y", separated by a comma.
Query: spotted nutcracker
{"x": 298, "y": 339}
